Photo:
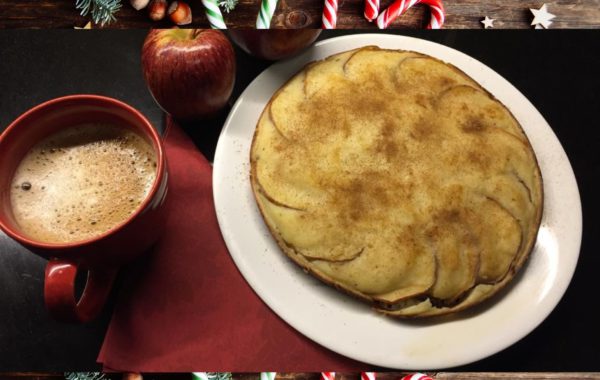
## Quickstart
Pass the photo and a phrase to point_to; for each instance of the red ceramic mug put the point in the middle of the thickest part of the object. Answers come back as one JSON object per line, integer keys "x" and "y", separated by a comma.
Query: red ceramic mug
{"x": 102, "y": 255}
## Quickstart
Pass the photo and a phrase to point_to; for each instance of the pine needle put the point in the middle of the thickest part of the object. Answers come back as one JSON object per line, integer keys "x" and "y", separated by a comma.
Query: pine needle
{"x": 228, "y": 5}
{"x": 220, "y": 375}
{"x": 84, "y": 376}
{"x": 102, "y": 11}
{"x": 212, "y": 376}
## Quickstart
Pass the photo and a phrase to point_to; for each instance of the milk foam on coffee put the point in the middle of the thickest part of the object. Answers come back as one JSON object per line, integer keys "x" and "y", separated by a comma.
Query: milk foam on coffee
{"x": 81, "y": 182}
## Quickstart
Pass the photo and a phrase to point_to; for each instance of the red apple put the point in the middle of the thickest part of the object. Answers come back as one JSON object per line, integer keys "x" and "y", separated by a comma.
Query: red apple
{"x": 190, "y": 72}
{"x": 274, "y": 44}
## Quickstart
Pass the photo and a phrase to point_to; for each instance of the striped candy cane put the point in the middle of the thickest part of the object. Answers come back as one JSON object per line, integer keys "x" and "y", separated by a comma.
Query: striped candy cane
{"x": 371, "y": 12}
{"x": 398, "y": 7}
{"x": 267, "y": 8}
{"x": 213, "y": 13}
{"x": 327, "y": 375}
{"x": 329, "y": 21}
{"x": 367, "y": 376}
{"x": 268, "y": 375}
{"x": 417, "y": 376}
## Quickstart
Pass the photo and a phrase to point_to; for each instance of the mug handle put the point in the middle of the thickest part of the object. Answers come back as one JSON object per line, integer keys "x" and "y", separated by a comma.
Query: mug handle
{"x": 59, "y": 291}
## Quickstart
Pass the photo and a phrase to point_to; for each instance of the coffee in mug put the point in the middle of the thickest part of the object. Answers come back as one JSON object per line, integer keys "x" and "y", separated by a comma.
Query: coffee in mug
{"x": 84, "y": 184}
{"x": 81, "y": 182}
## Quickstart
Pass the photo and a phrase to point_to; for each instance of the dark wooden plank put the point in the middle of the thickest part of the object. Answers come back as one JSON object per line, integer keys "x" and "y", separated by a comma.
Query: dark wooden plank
{"x": 517, "y": 376}
{"x": 342, "y": 376}
{"x": 440, "y": 376}
{"x": 567, "y": 340}
{"x": 512, "y": 14}
{"x": 31, "y": 376}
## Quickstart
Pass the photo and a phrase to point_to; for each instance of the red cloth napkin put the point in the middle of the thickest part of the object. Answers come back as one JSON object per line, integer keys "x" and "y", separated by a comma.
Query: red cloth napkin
{"x": 185, "y": 307}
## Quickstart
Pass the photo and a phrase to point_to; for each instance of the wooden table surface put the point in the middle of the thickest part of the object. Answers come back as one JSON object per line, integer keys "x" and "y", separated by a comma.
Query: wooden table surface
{"x": 558, "y": 72}
{"x": 461, "y": 14}
{"x": 340, "y": 376}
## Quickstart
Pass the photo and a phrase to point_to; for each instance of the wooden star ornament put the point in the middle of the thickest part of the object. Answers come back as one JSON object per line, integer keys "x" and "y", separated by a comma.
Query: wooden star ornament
{"x": 487, "y": 22}
{"x": 86, "y": 26}
{"x": 542, "y": 17}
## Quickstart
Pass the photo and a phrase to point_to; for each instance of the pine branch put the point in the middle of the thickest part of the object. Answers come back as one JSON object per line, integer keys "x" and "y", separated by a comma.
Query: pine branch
{"x": 219, "y": 375}
{"x": 84, "y": 376}
{"x": 212, "y": 376}
{"x": 228, "y": 5}
{"x": 102, "y": 11}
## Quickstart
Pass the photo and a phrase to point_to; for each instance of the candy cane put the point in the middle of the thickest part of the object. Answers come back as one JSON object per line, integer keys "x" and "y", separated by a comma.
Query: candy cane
{"x": 199, "y": 375}
{"x": 371, "y": 12}
{"x": 327, "y": 375}
{"x": 417, "y": 376}
{"x": 329, "y": 21}
{"x": 268, "y": 375}
{"x": 367, "y": 376}
{"x": 214, "y": 15}
{"x": 398, "y": 7}
{"x": 267, "y": 8}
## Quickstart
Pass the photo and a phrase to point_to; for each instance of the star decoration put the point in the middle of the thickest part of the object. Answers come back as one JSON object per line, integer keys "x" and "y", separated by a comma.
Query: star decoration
{"x": 542, "y": 17}
{"x": 86, "y": 26}
{"x": 488, "y": 22}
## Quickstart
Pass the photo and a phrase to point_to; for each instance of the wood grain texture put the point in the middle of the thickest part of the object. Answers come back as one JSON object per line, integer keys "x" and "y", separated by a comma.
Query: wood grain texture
{"x": 441, "y": 376}
{"x": 516, "y": 376}
{"x": 31, "y": 375}
{"x": 461, "y": 14}
{"x": 339, "y": 376}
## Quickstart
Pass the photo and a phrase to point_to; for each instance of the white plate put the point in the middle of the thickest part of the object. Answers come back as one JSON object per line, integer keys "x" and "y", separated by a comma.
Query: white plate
{"x": 351, "y": 328}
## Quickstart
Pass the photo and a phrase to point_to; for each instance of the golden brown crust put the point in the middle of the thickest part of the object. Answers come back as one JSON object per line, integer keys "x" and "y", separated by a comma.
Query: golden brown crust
{"x": 327, "y": 185}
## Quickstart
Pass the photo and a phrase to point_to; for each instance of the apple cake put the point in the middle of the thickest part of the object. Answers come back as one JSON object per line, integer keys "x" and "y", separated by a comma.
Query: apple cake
{"x": 396, "y": 178}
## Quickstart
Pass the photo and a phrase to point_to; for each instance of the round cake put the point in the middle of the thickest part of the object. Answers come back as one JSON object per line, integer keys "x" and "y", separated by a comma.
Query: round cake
{"x": 398, "y": 179}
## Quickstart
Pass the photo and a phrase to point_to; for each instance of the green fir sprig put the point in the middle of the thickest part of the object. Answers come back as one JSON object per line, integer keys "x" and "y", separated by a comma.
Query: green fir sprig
{"x": 228, "y": 5}
{"x": 212, "y": 376}
{"x": 220, "y": 375}
{"x": 102, "y": 11}
{"x": 84, "y": 376}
